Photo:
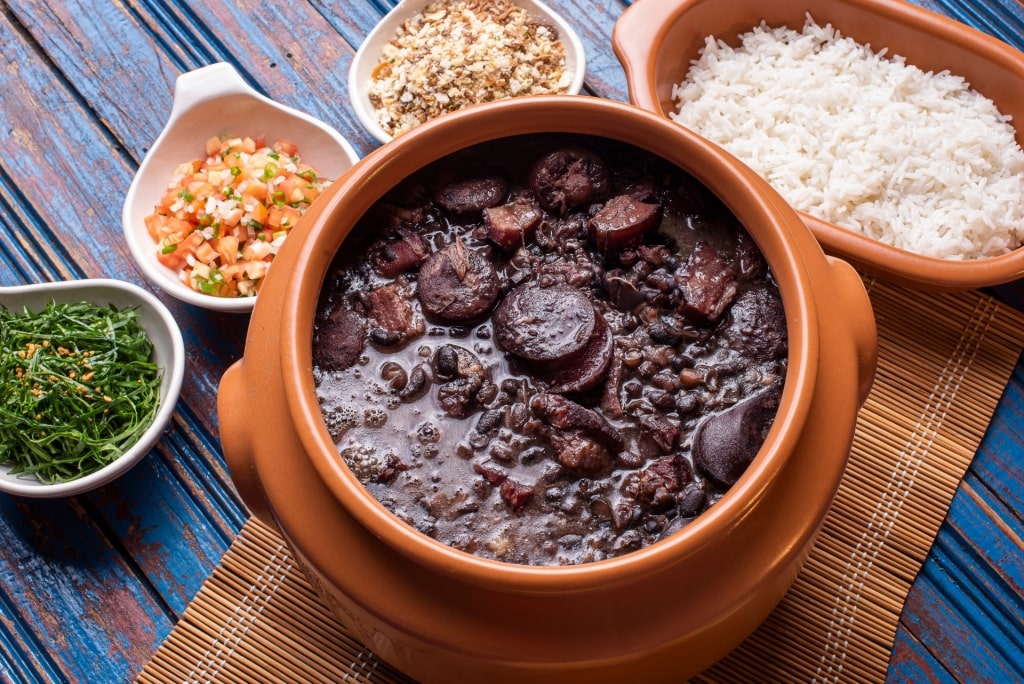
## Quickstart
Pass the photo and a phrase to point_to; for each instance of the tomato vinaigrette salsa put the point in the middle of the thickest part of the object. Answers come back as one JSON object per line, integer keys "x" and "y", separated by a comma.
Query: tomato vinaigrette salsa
{"x": 222, "y": 219}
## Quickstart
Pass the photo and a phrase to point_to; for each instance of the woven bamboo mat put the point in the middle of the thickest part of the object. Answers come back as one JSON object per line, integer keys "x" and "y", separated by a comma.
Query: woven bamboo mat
{"x": 943, "y": 363}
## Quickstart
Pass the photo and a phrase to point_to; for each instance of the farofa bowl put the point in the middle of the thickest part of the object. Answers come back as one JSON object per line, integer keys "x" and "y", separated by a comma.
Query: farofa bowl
{"x": 660, "y": 613}
{"x": 656, "y": 42}
{"x": 367, "y": 57}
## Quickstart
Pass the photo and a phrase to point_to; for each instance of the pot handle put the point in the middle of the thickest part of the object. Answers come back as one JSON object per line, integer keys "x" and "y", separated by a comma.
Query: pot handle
{"x": 634, "y": 33}
{"x": 234, "y": 411}
{"x": 850, "y": 297}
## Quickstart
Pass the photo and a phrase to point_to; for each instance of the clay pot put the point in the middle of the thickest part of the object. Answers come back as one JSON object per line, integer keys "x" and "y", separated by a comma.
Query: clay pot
{"x": 662, "y": 613}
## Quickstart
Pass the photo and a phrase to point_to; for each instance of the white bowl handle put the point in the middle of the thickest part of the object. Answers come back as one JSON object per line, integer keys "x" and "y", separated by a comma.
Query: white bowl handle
{"x": 216, "y": 80}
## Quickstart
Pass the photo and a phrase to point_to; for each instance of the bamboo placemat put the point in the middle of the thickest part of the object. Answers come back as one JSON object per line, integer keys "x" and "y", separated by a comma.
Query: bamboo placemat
{"x": 944, "y": 360}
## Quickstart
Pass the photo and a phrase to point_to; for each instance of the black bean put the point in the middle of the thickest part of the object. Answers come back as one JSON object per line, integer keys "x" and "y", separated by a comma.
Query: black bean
{"x": 418, "y": 383}
{"x": 394, "y": 375}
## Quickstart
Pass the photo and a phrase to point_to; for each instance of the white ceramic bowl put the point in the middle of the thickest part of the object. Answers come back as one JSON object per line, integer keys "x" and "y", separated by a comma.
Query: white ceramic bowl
{"x": 366, "y": 58}
{"x": 168, "y": 354}
{"x": 211, "y": 101}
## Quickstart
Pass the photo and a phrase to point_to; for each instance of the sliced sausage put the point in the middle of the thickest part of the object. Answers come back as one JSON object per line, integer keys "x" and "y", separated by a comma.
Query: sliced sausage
{"x": 621, "y": 223}
{"x": 725, "y": 443}
{"x": 468, "y": 192}
{"x": 568, "y": 178}
{"x": 340, "y": 340}
{"x": 457, "y": 283}
{"x": 584, "y": 370}
{"x": 544, "y": 323}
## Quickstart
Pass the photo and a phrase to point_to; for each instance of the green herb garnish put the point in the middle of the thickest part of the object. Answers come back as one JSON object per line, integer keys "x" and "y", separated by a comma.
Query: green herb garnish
{"x": 77, "y": 388}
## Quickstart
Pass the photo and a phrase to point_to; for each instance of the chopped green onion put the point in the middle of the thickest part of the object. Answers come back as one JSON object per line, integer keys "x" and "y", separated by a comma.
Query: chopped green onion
{"x": 169, "y": 249}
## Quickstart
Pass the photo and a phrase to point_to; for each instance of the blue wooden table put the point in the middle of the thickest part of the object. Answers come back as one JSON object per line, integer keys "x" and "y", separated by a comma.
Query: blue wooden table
{"x": 91, "y": 585}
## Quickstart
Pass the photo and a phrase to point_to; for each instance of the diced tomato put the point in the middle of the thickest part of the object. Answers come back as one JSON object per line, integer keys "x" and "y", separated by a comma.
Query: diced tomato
{"x": 286, "y": 147}
{"x": 244, "y": 197}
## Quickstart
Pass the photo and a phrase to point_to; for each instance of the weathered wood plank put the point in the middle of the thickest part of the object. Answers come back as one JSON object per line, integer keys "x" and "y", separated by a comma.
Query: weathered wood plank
{"x": 965, "y": 607}
{"x": 998, "y": 462}
{"x": 912, "y": 663}
{"x": 84, "y": 600}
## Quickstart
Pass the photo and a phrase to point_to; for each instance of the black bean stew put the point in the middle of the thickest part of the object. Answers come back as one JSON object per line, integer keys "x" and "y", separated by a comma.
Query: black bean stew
{"x": 549, "y": 351}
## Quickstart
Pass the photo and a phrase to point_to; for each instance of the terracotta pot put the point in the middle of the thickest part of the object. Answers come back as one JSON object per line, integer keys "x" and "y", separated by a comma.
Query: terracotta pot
{"x": 656, "y": 41}
{"x": 438, "y": 614}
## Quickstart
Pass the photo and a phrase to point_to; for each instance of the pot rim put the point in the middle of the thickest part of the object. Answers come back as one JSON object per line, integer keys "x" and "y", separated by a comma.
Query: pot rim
{"x": 775, "y": 225}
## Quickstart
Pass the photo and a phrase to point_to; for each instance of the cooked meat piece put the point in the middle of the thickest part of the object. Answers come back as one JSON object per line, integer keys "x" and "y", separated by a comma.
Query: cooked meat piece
{"x": 513, "y": 224}
{"x": 458, "y": 397}
{"x": 623, "y": 289}
{"x": 465, "y": 378}
{"x": 707, "y": 284}
{"x": 757, "y": 324}
{"x": 621, "y": 223}
{"x": 457, "y": 283}
{"x": 390, "y": 258}
{"x": 515, "y": 494}
{"x": 610, "y": 404}
{"x": 565, "y": 414}
{"x": 544, "y": 323}
{"x": 407, "y": 204}
{"x": 578, "y": 452}
{"x": 391, "y": 314}
{"x": 494, "y": 476}
{"x": 725, "y": 443}
{"x": 660, "y": 430}
{"x": 392, "y": 467}
{"x": 688, "y": 197}
{"x": 658, "y": 486}
{"x": 340, "y": 340}
{"x": 569, "y": 178}
{"x": 749, "y": 258}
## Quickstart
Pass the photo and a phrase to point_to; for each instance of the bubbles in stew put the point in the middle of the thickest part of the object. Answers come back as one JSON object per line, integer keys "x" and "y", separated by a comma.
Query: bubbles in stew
{"x": 549, "y": 350}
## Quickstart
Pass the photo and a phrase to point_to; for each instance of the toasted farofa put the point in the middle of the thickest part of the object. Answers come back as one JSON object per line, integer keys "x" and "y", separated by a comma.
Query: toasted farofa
{"x": 454, "y": 54}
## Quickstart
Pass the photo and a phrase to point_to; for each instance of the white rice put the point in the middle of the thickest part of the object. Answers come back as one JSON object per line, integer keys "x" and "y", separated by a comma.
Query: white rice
{"x": 917, "y": 160}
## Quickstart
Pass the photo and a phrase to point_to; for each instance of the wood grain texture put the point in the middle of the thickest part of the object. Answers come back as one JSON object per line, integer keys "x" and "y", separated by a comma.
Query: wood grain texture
{"x": 85, "y": 88}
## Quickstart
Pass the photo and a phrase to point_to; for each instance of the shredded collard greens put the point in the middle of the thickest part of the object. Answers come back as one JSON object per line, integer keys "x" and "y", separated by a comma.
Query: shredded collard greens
{"x": 77, "y": 388}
